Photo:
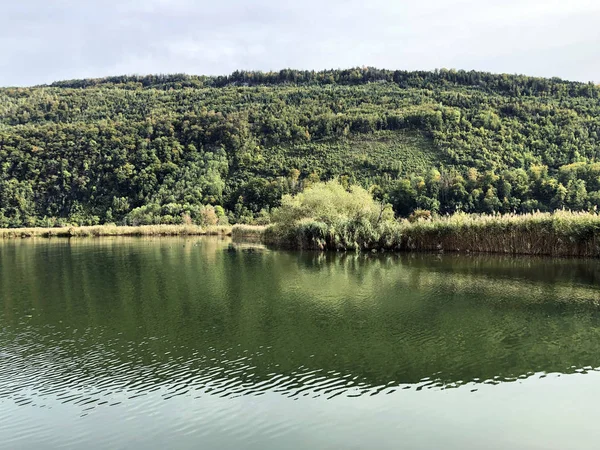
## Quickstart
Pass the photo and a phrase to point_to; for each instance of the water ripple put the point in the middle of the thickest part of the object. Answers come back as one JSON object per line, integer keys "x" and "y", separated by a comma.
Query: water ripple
{"x": 148, "y": 336}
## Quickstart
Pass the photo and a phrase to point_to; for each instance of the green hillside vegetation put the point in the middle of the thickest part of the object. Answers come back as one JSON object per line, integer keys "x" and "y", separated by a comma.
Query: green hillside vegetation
{"x": 215, "y": 150}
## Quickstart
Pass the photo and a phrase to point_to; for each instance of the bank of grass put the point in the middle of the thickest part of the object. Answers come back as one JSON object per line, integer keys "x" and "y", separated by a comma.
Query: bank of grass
{"x": 113, "y": 230}
{"x": 563, "y": 233}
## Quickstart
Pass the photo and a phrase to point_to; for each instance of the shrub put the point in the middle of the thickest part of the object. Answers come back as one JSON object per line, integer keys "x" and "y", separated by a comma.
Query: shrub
{"x": 419, "y": 214}
{"x": 327, "y": 202}
{"x": 327, "y": 215}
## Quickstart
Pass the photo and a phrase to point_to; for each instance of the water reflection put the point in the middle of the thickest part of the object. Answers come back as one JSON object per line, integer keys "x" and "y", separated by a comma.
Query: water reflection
{"x": 95, "y": 323}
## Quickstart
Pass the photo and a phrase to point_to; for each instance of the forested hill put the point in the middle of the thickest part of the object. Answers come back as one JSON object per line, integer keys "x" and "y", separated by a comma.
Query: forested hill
{"x": 166, "y": 149}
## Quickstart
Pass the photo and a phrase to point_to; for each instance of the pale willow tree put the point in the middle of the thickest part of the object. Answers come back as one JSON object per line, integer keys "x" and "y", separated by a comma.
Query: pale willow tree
{"x": 328, "y": 215}
{"x": 330, "y": 202}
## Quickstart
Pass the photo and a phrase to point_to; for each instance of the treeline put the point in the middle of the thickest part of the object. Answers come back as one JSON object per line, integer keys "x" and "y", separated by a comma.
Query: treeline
{"x": 212, "y": 150}
{"x": 575, "y": 186}
{"x": 501, "y": 83}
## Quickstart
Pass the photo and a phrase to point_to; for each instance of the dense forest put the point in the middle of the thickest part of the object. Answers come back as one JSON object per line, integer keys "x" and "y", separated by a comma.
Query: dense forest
{"x": 207, "y": 150}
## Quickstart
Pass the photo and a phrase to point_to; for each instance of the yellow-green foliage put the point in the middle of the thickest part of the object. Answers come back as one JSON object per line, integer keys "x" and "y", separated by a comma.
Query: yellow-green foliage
{"x": 328, "y": 215}
{"x": 328, "y": 202}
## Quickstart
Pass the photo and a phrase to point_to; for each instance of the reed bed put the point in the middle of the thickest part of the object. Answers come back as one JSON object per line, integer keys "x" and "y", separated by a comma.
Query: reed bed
{"x": 113, "y": 230}
{"x": 253, "y": 232}
{"x": 563, "y": 233}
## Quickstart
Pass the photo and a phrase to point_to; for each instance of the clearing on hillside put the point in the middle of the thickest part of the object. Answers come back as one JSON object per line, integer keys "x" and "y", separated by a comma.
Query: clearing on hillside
{"x": 368, "y": 155}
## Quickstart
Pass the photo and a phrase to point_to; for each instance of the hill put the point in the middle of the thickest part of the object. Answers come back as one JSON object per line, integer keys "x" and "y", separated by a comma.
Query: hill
{"x": 166, "y": 149}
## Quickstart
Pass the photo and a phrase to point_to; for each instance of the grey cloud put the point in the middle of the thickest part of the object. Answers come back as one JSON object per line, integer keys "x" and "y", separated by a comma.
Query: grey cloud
{"x": 46, "y": 40}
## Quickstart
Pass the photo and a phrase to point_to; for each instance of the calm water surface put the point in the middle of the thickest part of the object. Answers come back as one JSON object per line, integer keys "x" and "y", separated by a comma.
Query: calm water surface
{"x": 183, "y": 343}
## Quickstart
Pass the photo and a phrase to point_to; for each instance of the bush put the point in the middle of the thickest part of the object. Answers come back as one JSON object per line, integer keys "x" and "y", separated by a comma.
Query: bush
{"x": 326, "y": 215}
{"x": 327, "y": 202}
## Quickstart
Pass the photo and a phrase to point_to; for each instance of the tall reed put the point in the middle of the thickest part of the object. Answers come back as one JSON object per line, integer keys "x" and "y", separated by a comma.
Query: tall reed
{"x": 254, "y": 232}
{"x": 563, "y": 233}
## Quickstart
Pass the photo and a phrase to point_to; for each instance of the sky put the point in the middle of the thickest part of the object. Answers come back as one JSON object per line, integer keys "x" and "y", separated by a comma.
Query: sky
{"x": 48, "y": 40}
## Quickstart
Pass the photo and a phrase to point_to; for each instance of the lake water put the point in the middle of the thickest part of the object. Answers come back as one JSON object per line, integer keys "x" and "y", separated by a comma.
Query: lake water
{"x": 184, "y": 343}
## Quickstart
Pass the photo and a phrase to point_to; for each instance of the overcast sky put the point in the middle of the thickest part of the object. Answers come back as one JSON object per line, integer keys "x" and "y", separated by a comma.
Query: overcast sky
{"x": 47, "y": 40}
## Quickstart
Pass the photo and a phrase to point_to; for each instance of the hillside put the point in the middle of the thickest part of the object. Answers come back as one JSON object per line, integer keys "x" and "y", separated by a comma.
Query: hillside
{"x": 157, "y": 149}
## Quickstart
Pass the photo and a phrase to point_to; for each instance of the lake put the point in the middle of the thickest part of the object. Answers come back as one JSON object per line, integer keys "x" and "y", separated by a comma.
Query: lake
{"x": 199, "y": 343}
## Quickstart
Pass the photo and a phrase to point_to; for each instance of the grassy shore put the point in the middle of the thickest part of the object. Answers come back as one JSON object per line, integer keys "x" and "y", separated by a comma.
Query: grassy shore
{"x": 237, "y": 231}
{"x": 113, "y": 230}
{"x": 563, "y": 233}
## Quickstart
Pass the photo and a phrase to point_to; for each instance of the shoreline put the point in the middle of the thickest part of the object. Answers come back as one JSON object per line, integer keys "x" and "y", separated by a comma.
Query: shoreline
{"x": 560, "y": 234}
{"x": 114, "y": 230}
